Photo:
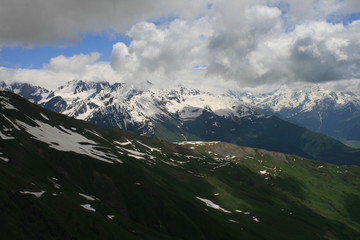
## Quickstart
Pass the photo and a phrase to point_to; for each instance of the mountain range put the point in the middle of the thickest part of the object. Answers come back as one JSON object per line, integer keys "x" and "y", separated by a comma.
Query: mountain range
{"x": 181, "y": 114}
{"x": 333, "y": 113}
{"x": 63, "y": 178}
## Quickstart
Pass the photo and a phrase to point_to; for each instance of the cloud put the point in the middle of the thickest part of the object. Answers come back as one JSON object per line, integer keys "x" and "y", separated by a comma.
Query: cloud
{"x": 61, "y": 70}
{"x": 73, "y": 64}
{"x": 251, "y": 48}
{"x": 320, "y": 52}
{"x": 163, "y": 54}
{"x": 34, "y": 22}
{"x": 242, "y": 43}
{"x": 233, "y": 50}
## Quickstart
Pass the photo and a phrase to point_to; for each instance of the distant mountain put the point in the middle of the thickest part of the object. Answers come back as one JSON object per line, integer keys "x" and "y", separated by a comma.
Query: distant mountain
{"x": 62, "y": 178}
{"x": 334, "y": 113}
{"x": 188, "y": 114}
{"x": 32, "y": 93}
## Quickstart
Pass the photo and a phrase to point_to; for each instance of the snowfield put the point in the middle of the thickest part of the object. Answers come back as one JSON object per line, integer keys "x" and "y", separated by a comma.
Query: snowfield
{"x": 67, "y": 140}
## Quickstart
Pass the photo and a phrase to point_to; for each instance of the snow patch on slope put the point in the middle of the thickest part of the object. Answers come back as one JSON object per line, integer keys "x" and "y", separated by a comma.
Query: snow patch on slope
{"x": 3, "y": 158}
{"x": 5, "y": 137}
{"x": 6, "y": 104}
{"x": 44, "y": 116}
{"x": 67, "y": 141}
{"x": 36, "y": 194}
{"x": 88, "y": 207}
{"x": 87, "y": 197}
{"x": 212, "y": 205}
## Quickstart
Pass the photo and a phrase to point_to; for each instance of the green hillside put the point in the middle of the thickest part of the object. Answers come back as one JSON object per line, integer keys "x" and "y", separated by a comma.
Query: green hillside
{"x": 86, "y": 182}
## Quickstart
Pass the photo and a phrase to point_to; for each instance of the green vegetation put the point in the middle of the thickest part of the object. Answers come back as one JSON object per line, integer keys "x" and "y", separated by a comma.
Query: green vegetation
{"x": 195, "y": 191}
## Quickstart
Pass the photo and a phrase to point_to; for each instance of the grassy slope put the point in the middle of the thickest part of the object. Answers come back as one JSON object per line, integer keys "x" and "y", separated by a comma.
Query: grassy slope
{"x": 298, "y": 200}
{"x": 329, "y": 190}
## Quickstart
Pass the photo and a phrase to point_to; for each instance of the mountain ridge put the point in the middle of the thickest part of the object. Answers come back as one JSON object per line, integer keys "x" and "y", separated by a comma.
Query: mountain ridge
{"x": 334, "y": 113}
{"x": 189, "y": 114}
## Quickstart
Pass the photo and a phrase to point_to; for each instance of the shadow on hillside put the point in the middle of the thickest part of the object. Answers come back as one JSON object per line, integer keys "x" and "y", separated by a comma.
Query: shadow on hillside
{"x": 352, "y": 205}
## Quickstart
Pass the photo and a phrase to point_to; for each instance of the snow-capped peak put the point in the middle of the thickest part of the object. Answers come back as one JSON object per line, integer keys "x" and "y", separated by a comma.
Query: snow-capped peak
{"x": 304, "y": 98}
{"x": 124, "y": 106}
{"x": 34, "y": 94}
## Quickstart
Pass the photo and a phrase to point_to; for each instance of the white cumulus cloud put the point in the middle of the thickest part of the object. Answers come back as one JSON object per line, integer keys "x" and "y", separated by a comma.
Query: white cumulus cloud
{"x": 226, "y": 43}
{"x": 61, "y": 70}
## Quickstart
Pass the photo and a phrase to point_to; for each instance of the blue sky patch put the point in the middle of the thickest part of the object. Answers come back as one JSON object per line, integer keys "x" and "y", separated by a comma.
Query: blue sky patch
{"x": 345, "y": 19}
{"x": 36, "y": 57}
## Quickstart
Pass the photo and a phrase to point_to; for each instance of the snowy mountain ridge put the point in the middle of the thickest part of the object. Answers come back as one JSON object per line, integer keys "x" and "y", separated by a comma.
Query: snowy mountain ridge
{"x": 180, "y": 114}
{"x": 334, "y": 113}
{"x": 305, "y": 98}
{"x": 89, "y": 100}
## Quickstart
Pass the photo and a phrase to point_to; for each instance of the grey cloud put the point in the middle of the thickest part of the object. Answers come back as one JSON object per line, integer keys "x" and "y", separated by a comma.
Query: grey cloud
{"x": 48, "y": 21}
{"x": 162, "y": 54}
{"x": 255, "y": 50}
{"x": 241, "y": 42}
{"x": 230, "y": 49}
{"x": 311, "y": 61}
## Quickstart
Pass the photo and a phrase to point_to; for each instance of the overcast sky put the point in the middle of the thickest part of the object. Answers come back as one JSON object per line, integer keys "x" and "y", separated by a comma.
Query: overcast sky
{"x": 228, "y": 43}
